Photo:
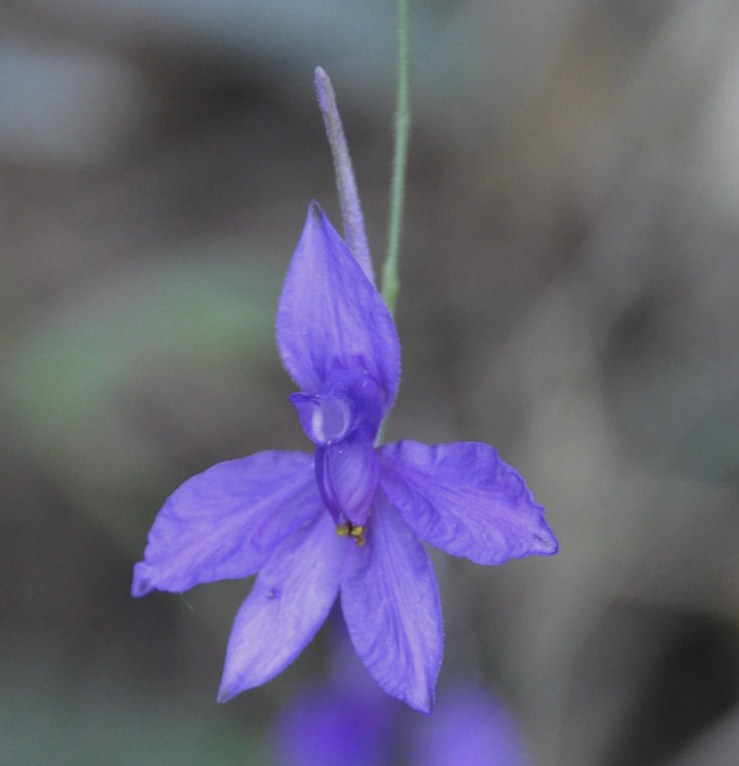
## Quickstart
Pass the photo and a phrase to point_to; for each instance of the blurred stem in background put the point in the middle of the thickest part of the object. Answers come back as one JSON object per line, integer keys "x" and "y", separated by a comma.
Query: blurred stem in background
{"x": 390, "y": 281}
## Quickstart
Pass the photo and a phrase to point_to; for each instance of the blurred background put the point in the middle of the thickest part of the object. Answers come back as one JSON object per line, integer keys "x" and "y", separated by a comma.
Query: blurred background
{"x": 570, "y": 294}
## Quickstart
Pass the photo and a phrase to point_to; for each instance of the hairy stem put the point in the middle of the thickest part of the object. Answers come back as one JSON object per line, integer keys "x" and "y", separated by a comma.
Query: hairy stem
{"x": 351, "y": 210}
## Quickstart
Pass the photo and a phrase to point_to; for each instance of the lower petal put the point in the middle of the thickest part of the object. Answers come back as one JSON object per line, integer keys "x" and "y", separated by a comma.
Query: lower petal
{"x": 225, "y": 522}
{"x": 391, "y": 606}
{"x": 291, "y": 598}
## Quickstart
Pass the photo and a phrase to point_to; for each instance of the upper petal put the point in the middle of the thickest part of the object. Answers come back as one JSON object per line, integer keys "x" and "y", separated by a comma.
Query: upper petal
{"x": 291, "y": 598}
{"x": 391, "y": 606}
{"x": 464, "y": 499}
{"x": 331, "y": 316}
{"x": 226, "y": 521}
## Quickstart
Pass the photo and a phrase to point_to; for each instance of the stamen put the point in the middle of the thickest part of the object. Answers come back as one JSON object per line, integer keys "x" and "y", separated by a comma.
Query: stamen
{"x": 358, "y": 534}
{"x": 347, "y": 529}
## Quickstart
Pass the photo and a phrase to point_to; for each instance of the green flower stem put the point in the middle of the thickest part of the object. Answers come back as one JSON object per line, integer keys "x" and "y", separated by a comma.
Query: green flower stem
{"x": 390, "y": 280}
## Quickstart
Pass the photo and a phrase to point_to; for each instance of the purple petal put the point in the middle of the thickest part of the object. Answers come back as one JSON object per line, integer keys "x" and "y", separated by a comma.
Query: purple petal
{"x": 224, "y": 523}
{"x": 469, "y": 727}
{"x": 391, "y": 606}
{"x": 325, "y": 419}
{"x": 291, "y": 598}
{"x": 347, "y": 475}
{"x": 331, "y": 316}
{"x": 464, "y": 499}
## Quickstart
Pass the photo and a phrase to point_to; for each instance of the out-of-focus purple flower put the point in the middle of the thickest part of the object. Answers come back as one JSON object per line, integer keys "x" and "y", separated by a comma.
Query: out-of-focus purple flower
{"x": 278, "y": 513}
{"x": 469, "y": 726}
{"x": 327, "y": 726}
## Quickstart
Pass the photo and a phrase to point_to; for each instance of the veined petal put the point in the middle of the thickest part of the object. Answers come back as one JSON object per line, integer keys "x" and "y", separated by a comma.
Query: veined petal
{"x": 347, "y": 475}
{"x": 291, "y": 598}
{"x": 464, "y": 499}
{"x": 331, "y": 316}
{"x": 225, "y": 522}
{"x": 391, "y": 606}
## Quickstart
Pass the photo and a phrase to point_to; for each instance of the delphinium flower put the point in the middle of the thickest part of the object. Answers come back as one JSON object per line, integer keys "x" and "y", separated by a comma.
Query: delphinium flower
{"x": 348, "y": 722}
{"x": 347, "y": 520}
{"x": 337, "y": 725}
{"x": 469, "y": 726}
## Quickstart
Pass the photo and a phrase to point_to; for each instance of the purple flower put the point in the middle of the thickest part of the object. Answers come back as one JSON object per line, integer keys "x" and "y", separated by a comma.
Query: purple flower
{"x": 328, "y": 726}
{"x": 471, "y": 727}
{"x": 325, "y": 726}
{"x": 278, "y": 513}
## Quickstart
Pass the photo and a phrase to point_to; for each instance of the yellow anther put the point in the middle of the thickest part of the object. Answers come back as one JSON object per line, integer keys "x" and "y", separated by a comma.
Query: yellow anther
{"x": 348, "y": 529}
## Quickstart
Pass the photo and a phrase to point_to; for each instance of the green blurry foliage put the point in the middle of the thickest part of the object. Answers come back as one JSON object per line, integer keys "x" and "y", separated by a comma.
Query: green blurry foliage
{"x": 74, "y": 381}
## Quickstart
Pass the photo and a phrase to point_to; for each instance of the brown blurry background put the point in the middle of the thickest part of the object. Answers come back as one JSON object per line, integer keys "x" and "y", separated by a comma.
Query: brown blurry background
{"x": 570, "y": 294}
